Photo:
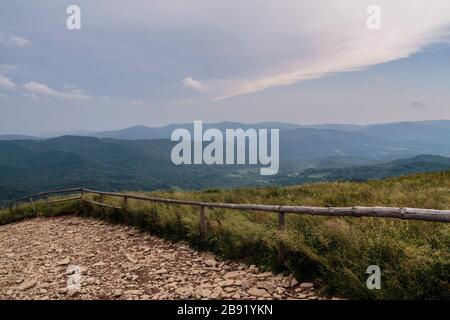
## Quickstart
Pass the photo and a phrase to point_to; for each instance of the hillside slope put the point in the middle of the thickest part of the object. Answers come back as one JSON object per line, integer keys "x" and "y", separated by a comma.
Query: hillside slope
{"x": 30, "y": 166}
{"x": 334, "y": 253}
{"x": 422, "y": 163}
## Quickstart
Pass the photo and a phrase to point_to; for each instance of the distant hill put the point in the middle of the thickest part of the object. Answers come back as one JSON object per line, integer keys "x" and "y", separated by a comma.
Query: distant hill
{"x": 306, "y": 145}
{"x": 425, "y": 132}
{"x": 437, "y": 123}
{"x": 422, "y": 163}
{"x": 139, "y": 157}
{"x": 434, "y": 132}
{"x": 428, "y": 136}
{"x": 341, "y": 127}
{"x": 5, "y": 137}
{"x": 28, "y": 166}
{"x": 143, "y": 132}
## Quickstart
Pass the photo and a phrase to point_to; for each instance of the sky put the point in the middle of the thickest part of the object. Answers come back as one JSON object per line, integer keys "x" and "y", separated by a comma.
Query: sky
{"x": 155, "y": 62}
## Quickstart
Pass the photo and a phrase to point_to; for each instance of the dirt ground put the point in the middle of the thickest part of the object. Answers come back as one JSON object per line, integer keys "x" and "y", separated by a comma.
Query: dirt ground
{"x": 80, "y": 258}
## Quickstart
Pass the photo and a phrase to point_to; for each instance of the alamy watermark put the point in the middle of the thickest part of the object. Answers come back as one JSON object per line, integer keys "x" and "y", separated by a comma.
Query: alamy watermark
{"x": 74, "y": 278}
{"x": 73, "y": 22}
{"x": 373, "y": 21}
{"x": 238, "y": 146}
{"x": 374, "y": 280}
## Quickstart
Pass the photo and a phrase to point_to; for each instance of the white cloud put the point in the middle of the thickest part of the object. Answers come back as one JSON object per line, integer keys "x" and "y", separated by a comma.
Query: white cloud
{"x": 335, "y": 39}
{"x": 13, "y": 41}
{"x": 137, "y": 102}
{"x": 69, "y": 92}
{"x": 280, "y": 43}
{"x": 284, "y": 42}
{"x": 6, "y": 83}
{"x": 30, "y": 95}
{"x": 19, "y": 41}
{"x": 193, "y": 84}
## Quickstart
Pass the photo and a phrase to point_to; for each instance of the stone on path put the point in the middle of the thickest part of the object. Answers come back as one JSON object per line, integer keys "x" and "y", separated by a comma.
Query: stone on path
{"x": 307, "y": 285}
{"x": 124, "y": 264}
{"x": 211, "y": 263}
{"x": 257, "y": 292}
{"x": 27, "y": 285}
{"x": 64, "y": 262}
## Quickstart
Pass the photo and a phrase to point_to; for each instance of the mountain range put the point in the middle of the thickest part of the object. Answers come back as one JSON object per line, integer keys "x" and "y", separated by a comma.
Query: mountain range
{"x": 138, "y": 158}
{"x": 434, "y": 131}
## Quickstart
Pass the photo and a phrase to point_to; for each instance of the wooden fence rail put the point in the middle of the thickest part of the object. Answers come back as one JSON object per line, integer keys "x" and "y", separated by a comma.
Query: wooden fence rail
{"x": 38, "y": 195}
{"x": 376, "y": 212}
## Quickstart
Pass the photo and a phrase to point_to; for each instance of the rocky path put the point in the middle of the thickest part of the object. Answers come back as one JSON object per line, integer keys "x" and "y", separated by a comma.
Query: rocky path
{"x": 80, "y": 258}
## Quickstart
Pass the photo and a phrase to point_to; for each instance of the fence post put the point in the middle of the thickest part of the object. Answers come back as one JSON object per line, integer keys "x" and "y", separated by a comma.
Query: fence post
{"x": 203, "y": 225}
{"x": 281, "y": 223}
{"x": 125, "y": 203}
{"x": 32, "y": 205}
{"x": 48, "y": 201}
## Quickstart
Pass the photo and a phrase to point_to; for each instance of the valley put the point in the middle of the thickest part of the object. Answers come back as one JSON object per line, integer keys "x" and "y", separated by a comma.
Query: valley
{"x": 139, "y": 158}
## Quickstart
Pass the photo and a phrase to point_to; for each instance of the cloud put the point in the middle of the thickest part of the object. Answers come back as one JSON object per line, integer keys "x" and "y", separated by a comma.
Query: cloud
{"x": 35, "y": 90}
{"x": 193, "y": 84}
{"x": 137, "y": 102}
{"x": 343, "y": 43}
{"x": 13, "y": 41}
{"x": 69, "y": 92}
{"x": 20, "y": 42}
{"x": 6, "y": 83}
{"x": 281, "y": 42}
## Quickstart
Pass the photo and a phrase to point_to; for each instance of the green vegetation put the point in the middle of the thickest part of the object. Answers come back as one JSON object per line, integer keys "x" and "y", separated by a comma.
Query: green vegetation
{"x": 307, "y": 155}
{"x": 25, "y": 211}
{"x": 422, "y": 163}
{"x": 333, "y": 252}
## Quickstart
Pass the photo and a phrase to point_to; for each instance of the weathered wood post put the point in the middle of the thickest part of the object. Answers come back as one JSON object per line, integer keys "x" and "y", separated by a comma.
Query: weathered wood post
{"x": 48, "y": 201}
{"x": 102, "y": 200}
{"x": 32, "y": 205}
{"x": 203, "y": 224}
{"x": 281, "y": 223}
{"x": 125, "y": 203}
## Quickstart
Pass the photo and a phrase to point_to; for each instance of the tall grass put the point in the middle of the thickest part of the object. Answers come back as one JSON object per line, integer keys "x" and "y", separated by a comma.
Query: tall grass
{"x": 414, "y": 257}
{"x": 24, "y": 211}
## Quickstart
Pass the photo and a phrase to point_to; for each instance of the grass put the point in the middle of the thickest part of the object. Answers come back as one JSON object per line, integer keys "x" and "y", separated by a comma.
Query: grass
{"x": 414, "y": 257}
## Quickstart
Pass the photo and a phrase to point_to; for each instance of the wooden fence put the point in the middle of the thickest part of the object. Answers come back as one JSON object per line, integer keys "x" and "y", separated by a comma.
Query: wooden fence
{"x": 376, "y": 212}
